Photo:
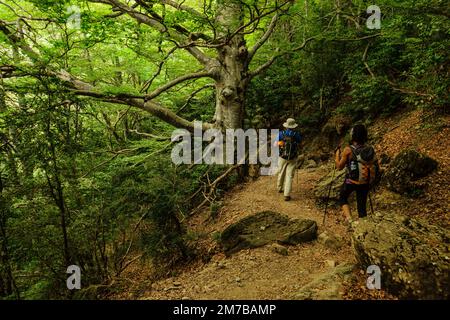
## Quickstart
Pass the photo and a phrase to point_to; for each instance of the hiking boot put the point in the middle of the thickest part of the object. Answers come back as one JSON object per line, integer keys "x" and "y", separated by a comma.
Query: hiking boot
{"x": 287, "y": 198}
{"x": 280, "y": 191}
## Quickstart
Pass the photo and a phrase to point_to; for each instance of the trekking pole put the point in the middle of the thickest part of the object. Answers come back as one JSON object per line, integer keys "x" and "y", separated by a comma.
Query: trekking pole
{"x": 370, "y": 201}
{"x": 328, "y": 196}
{"x": 297, "y": 166}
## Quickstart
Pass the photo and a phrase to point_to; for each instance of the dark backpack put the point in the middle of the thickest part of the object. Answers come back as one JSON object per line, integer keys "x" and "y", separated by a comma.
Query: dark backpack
{"x": 289, "y": 149}
{"x": 363, "y": 167}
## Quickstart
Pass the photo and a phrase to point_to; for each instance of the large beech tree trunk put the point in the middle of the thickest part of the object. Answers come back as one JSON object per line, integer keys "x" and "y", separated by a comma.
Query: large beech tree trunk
{"x": 232, "y": 78}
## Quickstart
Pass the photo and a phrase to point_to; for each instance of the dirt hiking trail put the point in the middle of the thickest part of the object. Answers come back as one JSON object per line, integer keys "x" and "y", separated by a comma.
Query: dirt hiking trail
{"x": 260, "y": 273}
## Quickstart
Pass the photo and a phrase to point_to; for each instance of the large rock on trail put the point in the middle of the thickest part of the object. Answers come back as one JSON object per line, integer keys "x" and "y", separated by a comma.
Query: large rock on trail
{"x": 322, "y": 187}
{"x": 404, "y": 171}
{"x": 413, "y": 256}
{"x": 266, "y": 227}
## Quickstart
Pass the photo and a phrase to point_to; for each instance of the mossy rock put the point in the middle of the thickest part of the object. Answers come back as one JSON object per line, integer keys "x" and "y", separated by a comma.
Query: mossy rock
{"x": 323, "y": 185}
{"x": 266, "y": 227}
{"x": 404, "y": 171}
{"x": 413, "y": 256}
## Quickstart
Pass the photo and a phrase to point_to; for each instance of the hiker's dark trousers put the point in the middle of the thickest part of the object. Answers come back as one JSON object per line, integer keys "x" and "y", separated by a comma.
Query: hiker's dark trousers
{"x": 362, "y": 190}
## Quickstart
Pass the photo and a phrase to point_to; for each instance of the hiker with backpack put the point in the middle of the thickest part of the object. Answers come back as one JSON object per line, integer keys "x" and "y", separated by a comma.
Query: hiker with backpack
{"x": 289, "y": 144}
{"x": 362, "y": 171}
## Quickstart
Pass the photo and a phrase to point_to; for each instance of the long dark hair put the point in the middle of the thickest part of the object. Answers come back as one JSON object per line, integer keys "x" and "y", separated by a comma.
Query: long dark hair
{"x": 359, "y": 134}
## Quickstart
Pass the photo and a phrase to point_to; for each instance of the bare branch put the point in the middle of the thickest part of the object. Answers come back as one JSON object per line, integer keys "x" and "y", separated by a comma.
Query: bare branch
{"x": 174, "y": 82}
{"x": 213, "y": 187}
{"x": 364, "y": 60}
{"x": 192, "y": 95}
{"x": 157, "y": 138}
{"x": 181, "y": 6}
{"x": 359, "y": 39}
{"x": 264, "y": 38}
{"x": 266, "y": 65}
{"x": 149, "y": 82}
{"x": 257, "y": 19}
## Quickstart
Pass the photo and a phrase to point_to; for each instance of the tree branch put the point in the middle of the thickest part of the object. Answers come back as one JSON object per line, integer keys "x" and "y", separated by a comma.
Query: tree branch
{"x": 156, "y": 109}
{"x": 17, "y": 41}
{"x": 393, "y": 85}
{"x": 149, "y": 135}
{"x": 192, "y": 95}
{"x": 152, "y": 107}
{"x": 157, "y": 25}
{"x": 266, "y": 65}
{"x": 182, "y": 7}
{"x": 359, "y": 39}
{"x": 174, "y": 82}
{"x": 7, "y": 71}
{"x": 149, "y": 82}
{"x": 257, "y": 19}
{"x": 264, "y": 38}
{"x": 364, "y": 60}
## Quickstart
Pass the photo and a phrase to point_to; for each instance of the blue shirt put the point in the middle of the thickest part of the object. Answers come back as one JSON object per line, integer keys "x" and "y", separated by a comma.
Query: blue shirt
{"x": 290, "y": 133}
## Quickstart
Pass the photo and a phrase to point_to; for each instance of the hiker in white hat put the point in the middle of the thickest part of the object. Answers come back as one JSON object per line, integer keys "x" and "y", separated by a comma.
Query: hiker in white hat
{"x": 289, "y": 144}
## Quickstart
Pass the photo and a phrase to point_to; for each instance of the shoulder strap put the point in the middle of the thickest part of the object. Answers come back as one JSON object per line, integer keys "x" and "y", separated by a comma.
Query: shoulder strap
{"x": 353, "y": 149}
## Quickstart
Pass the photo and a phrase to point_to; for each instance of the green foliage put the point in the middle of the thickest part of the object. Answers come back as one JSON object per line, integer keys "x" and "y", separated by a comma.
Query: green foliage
{"x": 370, "y": 98}
{"x": 214, "y": 209}
{"x": 152, "y": 191}
{"x": 405, "y": 66}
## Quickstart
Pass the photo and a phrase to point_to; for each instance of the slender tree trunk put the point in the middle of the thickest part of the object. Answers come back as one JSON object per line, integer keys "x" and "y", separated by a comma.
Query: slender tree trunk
{"x": 58, "y": 195}
{"x": 7, "y": 281}
{"x": 6, "y": 274}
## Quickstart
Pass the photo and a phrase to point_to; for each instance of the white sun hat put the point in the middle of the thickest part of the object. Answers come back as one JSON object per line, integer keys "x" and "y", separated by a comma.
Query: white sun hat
{"x": 290, "y": 124}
